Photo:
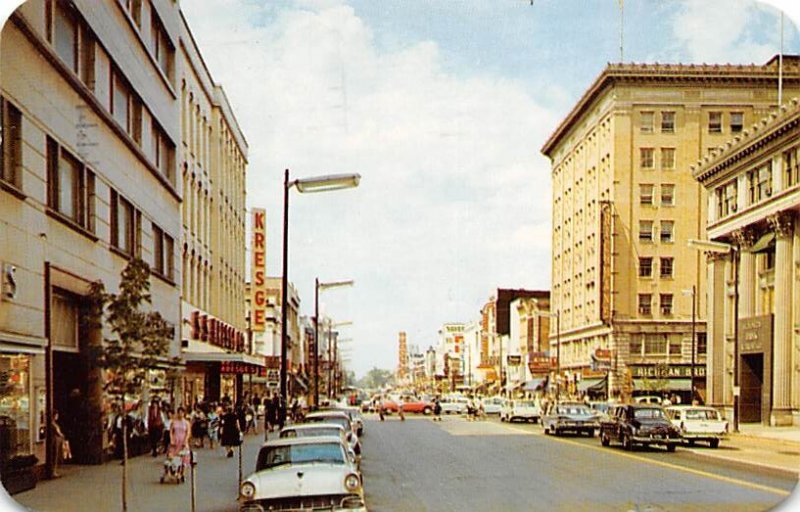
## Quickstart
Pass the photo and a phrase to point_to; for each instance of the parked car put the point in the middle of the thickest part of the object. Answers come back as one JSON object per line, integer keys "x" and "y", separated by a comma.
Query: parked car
{"x": 600, "y": 409}
{"x": 492, "y": 404}
{"x": 319, "y": 430}
{"x": 643, "y": 424}
{"x": 454, "y": 404}
{"x": 648, "y": 399}
{"x": 524, "y": 410}
{"x": 355, "y": 417}
{"x": 416, "y": 405}
{"x": 570, "y": 417}
{"x": 303, "y": 473}
{"x": 338, "y": 418}
{"x": 698, "y": 424}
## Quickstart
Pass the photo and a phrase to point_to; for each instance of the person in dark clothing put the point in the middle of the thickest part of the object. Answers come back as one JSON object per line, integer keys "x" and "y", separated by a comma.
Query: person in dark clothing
{"x": 229, "y": 430}
{"x": 274, "y": 405}
{"x": 155, "y": 425}
{"x": 241, "y": 416}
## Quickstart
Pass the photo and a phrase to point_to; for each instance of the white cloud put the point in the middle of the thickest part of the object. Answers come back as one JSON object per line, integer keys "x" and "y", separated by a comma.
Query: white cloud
{"x": 454, "y": 198}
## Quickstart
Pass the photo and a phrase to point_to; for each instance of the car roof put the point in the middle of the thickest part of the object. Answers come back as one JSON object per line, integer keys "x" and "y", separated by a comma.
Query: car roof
{"x": 312, "y": 426}
{"x": 292, "y": 441}
{"x": 328, "y": 414}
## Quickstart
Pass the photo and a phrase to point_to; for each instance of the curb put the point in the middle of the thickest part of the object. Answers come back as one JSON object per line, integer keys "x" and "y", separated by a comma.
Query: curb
{"x": 739, "y": 462}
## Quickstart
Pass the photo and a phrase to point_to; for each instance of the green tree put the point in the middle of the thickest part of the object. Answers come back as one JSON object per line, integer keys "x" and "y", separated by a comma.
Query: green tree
{"x": 375, "y": 378}
{"x": 139, "y": 342}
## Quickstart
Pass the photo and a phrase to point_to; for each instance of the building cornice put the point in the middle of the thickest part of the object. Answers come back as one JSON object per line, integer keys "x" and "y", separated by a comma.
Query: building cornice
{"x": 670, "y": 74}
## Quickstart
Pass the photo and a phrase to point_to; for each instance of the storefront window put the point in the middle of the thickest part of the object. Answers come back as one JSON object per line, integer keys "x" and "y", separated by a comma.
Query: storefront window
{"x": 15, "y": 428}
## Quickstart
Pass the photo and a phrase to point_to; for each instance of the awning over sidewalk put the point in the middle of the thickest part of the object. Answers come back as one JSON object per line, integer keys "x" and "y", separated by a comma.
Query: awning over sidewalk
{"x": 534, "y": 384}
{"x": 671, "y": 385}
{"x": 223, "y": 357}
{"x": 585, "y": 384}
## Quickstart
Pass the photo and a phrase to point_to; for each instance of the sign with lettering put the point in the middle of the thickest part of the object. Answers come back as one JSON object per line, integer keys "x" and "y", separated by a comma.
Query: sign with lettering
{"x": 666, "y": 371}
{"x": 258, "y": 271}
{"x": 755, "y": 334}
{"x": 540, "y": 363}
{"x": 606, "y": 226}
{"x": 514, "y": 360}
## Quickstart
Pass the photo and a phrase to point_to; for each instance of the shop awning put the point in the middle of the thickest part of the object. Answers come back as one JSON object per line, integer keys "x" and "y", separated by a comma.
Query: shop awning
{"x": 534, "y": 384}
{"x": 671, "y": 385}
{"x": 223, "y": 357}
{"x": 301, "y": 382}
{"x": 763, "y": 243}
{"x": 600, "y": 386}
{"x": 585, "y": 384}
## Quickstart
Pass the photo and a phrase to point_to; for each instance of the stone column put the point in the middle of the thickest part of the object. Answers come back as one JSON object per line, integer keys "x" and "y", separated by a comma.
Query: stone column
{"x": 796, "y": 323}
{"x": 783, "y": 224}
{"x": 715, "y": 327}
{"x": 745, "y": 238}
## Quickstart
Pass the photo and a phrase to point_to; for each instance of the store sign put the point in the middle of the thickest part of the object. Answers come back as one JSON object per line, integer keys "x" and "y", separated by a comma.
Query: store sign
{"x": 237, "y": 367}
{"x": 601, "y": 359}
{"x": 606, "y": 225}
{"x": 755, "y": 334}
{"x": 540, "y": 363}
{"x": 514, "y": 360}
{"x": 666, "y": 371}
{"x": 258, "y": 271}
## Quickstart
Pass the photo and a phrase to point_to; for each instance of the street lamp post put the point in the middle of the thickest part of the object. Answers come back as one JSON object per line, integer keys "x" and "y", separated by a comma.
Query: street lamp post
{"x": 315, "y": 184}
{"x": 557, "y": 316}
{"x": 733, "y": 250}
{"x": 317, "y": 287}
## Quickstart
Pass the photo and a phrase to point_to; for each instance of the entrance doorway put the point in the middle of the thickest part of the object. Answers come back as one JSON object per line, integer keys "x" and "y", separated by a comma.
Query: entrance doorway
{"x": 752, "y": 382}
{"x": 69, "y": 399}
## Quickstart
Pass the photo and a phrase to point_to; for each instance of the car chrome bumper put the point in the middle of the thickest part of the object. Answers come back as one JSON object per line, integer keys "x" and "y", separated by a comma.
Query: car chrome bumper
{"x": 655, "y": 440}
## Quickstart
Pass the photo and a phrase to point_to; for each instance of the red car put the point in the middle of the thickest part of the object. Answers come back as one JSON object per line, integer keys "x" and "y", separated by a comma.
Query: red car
{"x": 417, "y": 405}
{"x": 390, "y": 406}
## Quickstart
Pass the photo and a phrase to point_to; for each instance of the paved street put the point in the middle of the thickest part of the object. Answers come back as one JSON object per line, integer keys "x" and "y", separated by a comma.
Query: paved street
{"x": 460, "y": 465}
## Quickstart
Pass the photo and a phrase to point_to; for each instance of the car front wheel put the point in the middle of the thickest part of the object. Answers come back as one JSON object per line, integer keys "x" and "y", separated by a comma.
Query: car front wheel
{"x": 426, "y": 411}
{"x": 714, "y": 443}
{"x": 604, "y": 439}
{"x": 671, "y": 447}
{"x": 626, "y": 442}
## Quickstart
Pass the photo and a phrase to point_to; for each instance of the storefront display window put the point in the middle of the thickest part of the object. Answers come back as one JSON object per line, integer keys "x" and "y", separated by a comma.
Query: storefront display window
{"x": 15, "y": 426}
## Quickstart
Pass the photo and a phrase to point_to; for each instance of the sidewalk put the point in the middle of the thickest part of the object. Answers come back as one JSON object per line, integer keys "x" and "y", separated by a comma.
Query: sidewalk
{"x": 99, "y": 487}
{"x": 771, "y": 448}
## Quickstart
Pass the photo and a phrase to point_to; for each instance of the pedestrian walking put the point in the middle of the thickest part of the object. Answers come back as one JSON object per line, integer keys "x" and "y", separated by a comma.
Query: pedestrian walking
{"x": 199, "y": 424}
{"x": 380, "y": 410}
{"x": 213, "y": 424}
{"x": 437, "y": 409}
{"x": 167, "y": 415}
{"x": 269, "y": 414}
{"x": 275, "y": 405}
{"x": 230, "y": 434}
{"x": 155, "y": 425}
{"x": 60, "y": 445}
{"x": 180, "y": 434}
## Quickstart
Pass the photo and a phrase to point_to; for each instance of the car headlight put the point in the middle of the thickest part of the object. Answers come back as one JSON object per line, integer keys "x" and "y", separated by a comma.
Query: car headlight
{"x": 247, "y": 490}
{"x": 352, "y": 482}
{"x": 634, "y": 430}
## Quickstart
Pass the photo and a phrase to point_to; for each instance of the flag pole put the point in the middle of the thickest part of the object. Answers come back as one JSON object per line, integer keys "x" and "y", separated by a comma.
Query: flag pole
{"x": 621, "y": 30}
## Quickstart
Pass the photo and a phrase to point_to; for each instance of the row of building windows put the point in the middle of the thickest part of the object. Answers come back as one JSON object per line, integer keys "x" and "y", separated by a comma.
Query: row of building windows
{"x": 647, "y": 121}
{"x": 663, "y": 344}
{"x": 647, "y": 159}
{"x": 647, "y": 194}
{"x": 666, "y": 266}
{"x": 666, "y": 233}
{"x": 11, "y": 140}
{"x": 74, "y": 42}
{"x": 159, "y": 42}
{"x": 645, "y": 305}
{"x": 759, "y": 182}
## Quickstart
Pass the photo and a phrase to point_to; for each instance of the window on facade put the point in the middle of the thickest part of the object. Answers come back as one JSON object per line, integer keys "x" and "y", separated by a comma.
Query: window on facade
{"x": 65, "y": 34}
{"x": 655, "y": 344}
{"x": 665, "y": 300}
{"x": 674, "y": 346}
{"x": 163, "y": 50}
{"x": 163, "y": 153}
{"x": 737, "y": 122}
{"x": 120, "y": 101}
{"x": 667, "y": 122}
{"x": 646, "y": 122}
{"x": 645, "y": 267}
{"x": 645, "y": 230}
{"x": 635, "y": 346}
{"x": 667, "y": 233}
{"x": 10, "y": 144}
{"x": 645, "y": 304}
{"x": 715, "y": 122}
{"x": 134, "y": 8}
{"x": 668, "y": 159}
{"x": 64, "y": 322}
{"x": 702, "y": 343}
{"x": 667, "y": 194}
{"x": 665, "y": 267}
{"x": 163, "y": 252}
{"x": 791, "y": 168}
{"x": 123, "y": 224}
{"x": 727, "y": 198}
{"x": 646, "y": 158}
{"x": 70, "y": 186}
{"x": 87, "y": 49}
{"x": 646, "y": 194}
{"x": 759, "y": 183}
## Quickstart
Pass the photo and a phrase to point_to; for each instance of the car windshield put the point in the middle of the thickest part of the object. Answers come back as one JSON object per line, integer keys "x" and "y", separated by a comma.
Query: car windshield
{"x": 338, "y": 420}
{"x": 526, "y": 403}
{"x": 649, "y": 413}
{"x": 273, "y": 456}
{"x": 311, "y": 432}
{"x": 702, "y": 414}
{"x": 575, "y": 410}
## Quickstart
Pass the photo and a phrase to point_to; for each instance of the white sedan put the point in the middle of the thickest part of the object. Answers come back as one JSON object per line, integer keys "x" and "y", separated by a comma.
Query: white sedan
{"x": 698, "y": 423}
{"x": 524, "y": 410}
{"x": 303, "y": 473}
{"x": 492, "y": 404}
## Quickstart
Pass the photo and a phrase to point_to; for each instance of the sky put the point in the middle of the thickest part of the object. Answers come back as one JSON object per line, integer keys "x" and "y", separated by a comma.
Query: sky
{"x": 442, "y": 107}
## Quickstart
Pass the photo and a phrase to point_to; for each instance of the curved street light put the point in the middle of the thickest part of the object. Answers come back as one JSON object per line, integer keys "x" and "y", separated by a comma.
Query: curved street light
{"x": 325, "y": 183}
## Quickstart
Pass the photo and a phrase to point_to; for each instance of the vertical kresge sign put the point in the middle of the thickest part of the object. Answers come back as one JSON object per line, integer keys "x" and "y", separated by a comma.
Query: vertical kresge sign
{"x": 258, "y": 270}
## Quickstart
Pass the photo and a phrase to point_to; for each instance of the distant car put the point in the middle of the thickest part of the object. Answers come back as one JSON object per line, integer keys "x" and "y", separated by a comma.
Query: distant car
{"x": 303, "y": 473}
{"x": 648, "y": 399}
{"x": 319, "y": 430}
{"x": 355, "y": 417}
{"x": 698, "y": 424}
{"x": 644, "y": 424}
{"x": 453, "y": 404}
{"x": 523, "y": 410}
{"x": 600, "y": 409}
{"x": 492, "y": 404}
{"x": 570, "y": 417}
{"x": 338, "y": 418}
{"x": 417, "y": 405}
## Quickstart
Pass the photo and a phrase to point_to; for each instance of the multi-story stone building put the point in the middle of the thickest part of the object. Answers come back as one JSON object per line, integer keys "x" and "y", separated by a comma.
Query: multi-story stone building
{"x": 450, "y": 355}
{"x": 624, "y": 206}
{"x": 529, "y": 328}
{"x": 753, "y": 190}
{"x": 213, "y": 158}
{"x": 90, "y": 124}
